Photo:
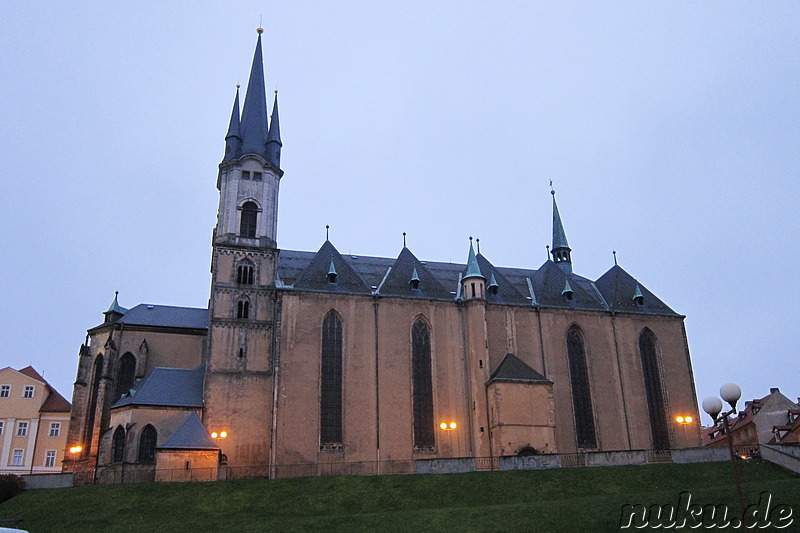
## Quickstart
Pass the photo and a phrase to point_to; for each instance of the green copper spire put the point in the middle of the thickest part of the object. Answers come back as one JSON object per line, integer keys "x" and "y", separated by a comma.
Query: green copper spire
{"x": 115, "y": 307}
{"x": 493, "y": 281}
{"x": 473, "y": 270}
{"x": 561, "y": 250}
{"x": 414, "y": 275}
{"x": 331, "y": 269}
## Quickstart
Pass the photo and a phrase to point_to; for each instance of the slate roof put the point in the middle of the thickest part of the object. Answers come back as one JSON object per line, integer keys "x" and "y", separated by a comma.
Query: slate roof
{"x": 166, "y": 316}
{"x": 190, "y": 435}
{"x": 512, "y": 368}
{"x": 167, "y": 387}
{"x": 440, "y": 281}
{"x": 619, "y": 288}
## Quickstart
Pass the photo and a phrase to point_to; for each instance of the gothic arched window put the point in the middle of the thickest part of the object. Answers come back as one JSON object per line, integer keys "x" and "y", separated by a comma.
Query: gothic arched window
{"x": 147, "y": 445}
{"x": 243, "y": 309}
{"x": 331, "y": 386}
{"x": 652, "y": 387}
{"x": 422, "y": 385}
{"x": 125, "y": 374}
{"x": 249, "y": 219}
{"x": 581, "y": 393}
{"x": 118, "y": 445}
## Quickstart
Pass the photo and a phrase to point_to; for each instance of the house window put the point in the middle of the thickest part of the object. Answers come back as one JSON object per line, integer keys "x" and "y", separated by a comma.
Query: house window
{"x": 147, "y": 445}
{"x": 50, "y": 458}
{"x": 243, "y": 309}
{"x": 652, "y": 387}
{"x": 28, "y": 391}
{"x": 2, "y": 424}
{"x": 5, "y": 391}
{"x": 247, "y": 227}
{"x": 581, "y": 394}
{"x": 22, "y": 429}
{"x": 331, "y": 386}
{"x": 16, "y": 459}
{"x": 422, "y": 386}
{"x": 118, "y": 445}
{"x": 55, "y": 429}
{"x": 126, "y": 374}
{"x": 245, "y": 174}
{"x": 244, "y": 275}
{"x": 256, "y": 176}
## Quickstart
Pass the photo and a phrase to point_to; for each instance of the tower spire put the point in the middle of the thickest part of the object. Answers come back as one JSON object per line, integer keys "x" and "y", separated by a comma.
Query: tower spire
{"x": 254, "y": 112}
{"x": 561, "y": 250}
{"x": 233, "y": 139}
{"x": 274, "y": 143}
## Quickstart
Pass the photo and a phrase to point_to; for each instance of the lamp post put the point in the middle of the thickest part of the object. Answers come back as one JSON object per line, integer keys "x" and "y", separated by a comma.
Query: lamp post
{"x": 730, "y": 392}
{"x": 449, "y": 426}
{"x": 684, "y": 421}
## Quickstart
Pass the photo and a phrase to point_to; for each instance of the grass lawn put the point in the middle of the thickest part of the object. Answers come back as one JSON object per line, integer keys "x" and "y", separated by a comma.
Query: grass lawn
{"x": 566, "y": 499}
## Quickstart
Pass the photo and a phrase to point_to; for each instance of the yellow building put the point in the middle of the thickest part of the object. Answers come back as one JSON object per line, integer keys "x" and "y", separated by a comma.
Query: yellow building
{"x": 33, "y": 423}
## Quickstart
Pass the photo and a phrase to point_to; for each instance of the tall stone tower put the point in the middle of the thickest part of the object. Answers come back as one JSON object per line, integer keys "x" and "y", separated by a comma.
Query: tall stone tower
{"x": 238, "y": 384}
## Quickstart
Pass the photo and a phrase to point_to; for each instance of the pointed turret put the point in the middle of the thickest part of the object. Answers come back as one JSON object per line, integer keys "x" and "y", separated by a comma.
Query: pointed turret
{"x": 274, "y": 143}
{"x": 561, "y": 250}
{"x": 254, "y": 112}
{"x": 233, "y": 140}
{"x": 473, "y": 282}
{"x": 115, "y": 311}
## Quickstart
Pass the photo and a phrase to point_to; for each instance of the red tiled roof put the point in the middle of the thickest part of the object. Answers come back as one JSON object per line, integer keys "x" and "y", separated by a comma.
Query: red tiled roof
{"x": 55, "y": 403}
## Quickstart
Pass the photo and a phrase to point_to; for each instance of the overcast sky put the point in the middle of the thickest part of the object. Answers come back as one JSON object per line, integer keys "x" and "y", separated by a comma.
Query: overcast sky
{"x": 670, "y": 131}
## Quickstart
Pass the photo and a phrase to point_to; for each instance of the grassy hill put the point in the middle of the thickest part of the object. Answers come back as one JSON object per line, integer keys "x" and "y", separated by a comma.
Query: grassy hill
{"x": 576, "y": 499}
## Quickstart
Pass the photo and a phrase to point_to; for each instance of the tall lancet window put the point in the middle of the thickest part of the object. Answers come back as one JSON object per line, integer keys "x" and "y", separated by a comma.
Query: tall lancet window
{"x": 331, "y": 393}
{"x": 581, "y": 394}
{"x": 125, "y": 374}
{"x": 652, "y": 387}
{"x": 422, "y": 385}
{"x": 249, "y": 219}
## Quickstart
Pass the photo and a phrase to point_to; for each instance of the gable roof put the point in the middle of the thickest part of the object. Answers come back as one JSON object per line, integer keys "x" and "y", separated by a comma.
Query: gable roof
{"x": 315, "y": 274}
{"x": 190, "y": 435}
{"x": 512, "y": 368}
{"x": 516, "y": 286}
{"x": 619, "y": 288}
{"x": 167, "y": 387}
{"x": 55, "y": 403}
{"x": 397, "y": 281}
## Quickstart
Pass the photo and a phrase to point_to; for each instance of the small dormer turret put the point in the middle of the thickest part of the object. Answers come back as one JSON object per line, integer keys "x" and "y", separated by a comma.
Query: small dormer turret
{"x": 473, "y": 284}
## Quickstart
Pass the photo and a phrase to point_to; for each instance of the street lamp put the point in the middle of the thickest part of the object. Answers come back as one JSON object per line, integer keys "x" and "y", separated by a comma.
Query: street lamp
{"x": 75, "y": 450}
{"x": 684, "y": 421}
{"x": 448, "y": 427}
{"x": 730, "y": 392}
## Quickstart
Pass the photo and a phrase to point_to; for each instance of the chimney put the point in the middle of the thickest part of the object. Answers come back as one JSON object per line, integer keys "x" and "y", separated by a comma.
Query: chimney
{"x": 773, "y": 390}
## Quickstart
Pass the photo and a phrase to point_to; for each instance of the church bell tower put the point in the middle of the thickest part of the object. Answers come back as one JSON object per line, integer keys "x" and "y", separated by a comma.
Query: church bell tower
{"x": 238, "y": 384}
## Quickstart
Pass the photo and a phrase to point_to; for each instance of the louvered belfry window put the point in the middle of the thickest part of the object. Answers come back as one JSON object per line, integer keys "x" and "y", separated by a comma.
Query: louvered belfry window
{"x": 244, "y": 274}
{"x": 249, "y": 218}
{"x": 423, "y": 387}
{"x": 581, "y": 393}
{"x": 331, "y": 393}
{"x": 652, "y": 387}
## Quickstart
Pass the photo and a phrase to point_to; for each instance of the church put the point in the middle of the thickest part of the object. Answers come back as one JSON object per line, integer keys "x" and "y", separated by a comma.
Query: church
{"x": 308, "y": 361}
